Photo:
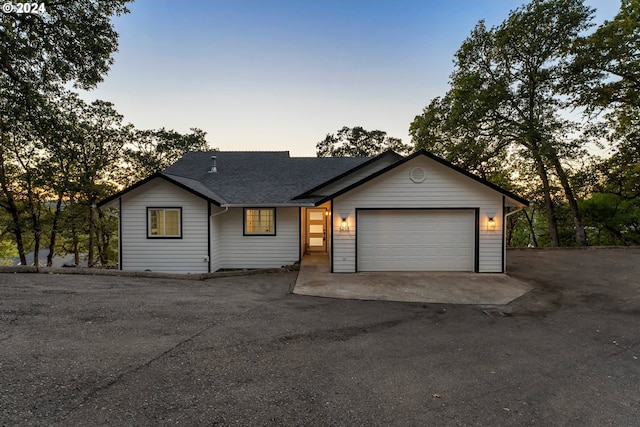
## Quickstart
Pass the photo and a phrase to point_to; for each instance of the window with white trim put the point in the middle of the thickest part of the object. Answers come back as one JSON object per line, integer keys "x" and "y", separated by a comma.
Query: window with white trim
{"x": 164, "y": 223}
{"x": 259, "y": 221}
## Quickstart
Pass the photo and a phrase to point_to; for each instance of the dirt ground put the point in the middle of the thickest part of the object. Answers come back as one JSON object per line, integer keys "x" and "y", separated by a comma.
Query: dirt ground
{"x": 102, "y": 350}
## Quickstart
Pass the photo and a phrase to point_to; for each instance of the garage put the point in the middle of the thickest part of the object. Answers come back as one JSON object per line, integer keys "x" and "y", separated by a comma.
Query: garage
{"x": 416, "y": 239}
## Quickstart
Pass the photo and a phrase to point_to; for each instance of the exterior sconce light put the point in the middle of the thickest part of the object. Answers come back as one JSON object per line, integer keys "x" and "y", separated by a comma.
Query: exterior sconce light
{"x": 491, "y": 224}
{"x": 344, "y": 225}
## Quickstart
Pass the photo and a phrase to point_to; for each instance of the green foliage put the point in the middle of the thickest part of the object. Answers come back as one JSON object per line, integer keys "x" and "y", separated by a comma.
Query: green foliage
{"x": 150, "y": 151}
{"x": 612, "y": 220}
{"x": 606, "y": 67}
{"x": 49, "y": 146}
{"x": 612, "y": 211}
{"x": 620, "y": 174}
{"x": 503, "y": 115}
{"x": 7, "y": 248}
{"x": 519, "y": 231}
{"x": 443, "y": 131}
{"x": 72, "y": 41}
{"x": 605, "y": 77}
{"x": 358, "y": 142}
{"x": 74, "y": 229}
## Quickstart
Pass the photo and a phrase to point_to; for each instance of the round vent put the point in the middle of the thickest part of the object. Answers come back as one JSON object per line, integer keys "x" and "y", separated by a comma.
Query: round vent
{"x": 417, "y": 175}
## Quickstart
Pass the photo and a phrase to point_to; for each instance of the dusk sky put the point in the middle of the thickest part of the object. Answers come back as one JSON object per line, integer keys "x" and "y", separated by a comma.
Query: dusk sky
{"x": 280, "y": 75}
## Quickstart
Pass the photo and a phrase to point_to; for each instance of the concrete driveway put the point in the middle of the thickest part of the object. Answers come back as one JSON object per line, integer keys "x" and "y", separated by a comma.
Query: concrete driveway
{"x": 315, "y": 279}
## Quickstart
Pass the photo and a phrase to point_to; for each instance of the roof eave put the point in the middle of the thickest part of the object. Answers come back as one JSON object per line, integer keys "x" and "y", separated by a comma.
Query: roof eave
{"x": 268, "y": 205}
{"x": 310, "y": 192}
{"x": 440, "y": 160}
{"x": 150, "y": 178}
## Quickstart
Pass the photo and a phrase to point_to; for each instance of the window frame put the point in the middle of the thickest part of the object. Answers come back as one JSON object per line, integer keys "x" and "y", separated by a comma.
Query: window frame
{"x": 164, "y": 208}
{"x": 244, "y": 221}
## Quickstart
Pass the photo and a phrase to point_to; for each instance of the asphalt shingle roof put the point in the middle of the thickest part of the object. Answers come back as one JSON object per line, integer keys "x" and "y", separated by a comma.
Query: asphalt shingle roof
{"x": 256, "y": 177}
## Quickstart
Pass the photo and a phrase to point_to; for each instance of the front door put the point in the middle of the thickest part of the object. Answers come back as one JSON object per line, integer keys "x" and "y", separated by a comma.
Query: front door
{"x": 316, "y": 230}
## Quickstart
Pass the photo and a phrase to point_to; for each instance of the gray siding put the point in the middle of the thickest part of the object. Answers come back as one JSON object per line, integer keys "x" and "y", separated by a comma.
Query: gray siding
{"x": 185, "y": 255}
{"x": 442, "y": 188}
{"x": 238, "y": 251}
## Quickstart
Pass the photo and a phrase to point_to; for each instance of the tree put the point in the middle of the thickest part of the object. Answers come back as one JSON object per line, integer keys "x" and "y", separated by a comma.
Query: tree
{"x": 22, "y": 152}
{"x": 7, "y": 243}
{"x": 464, "y": 142}
{"x": 9, "y": 169}
{"x": 60, "y": 164}
{"x": 71, "y": 41}
{"x": 605, "y": 72}
{"x": 101, "y": 139}
{"x": 614, "y": 220}
{"x": 65, "y": 42}
{"x": 153, "y": 150}
{"x": 358, "y": 142}
{"x": 604, "y": 78}
{"x": 505, "y": 103}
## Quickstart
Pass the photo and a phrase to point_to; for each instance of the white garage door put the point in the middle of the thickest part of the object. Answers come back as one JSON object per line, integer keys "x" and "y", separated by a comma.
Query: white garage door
{"x": 416, "y": 240}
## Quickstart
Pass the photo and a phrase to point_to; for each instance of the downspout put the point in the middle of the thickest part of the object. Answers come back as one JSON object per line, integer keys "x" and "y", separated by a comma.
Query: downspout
{"x": 226, "y": 209}
{"x": 209, "y": 221}
{"x": 520, "y": 209}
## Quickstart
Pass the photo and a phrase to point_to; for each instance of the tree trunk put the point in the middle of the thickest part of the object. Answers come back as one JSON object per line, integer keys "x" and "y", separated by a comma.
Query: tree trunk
{"x": 54, "y": 230}
{"x": 16, "y": 229}
{"x": 532, "y": 231}
{"x": 548, "y": 203}
{"x": 617, "y": 234}
{"x": 103, "y": 240}
{"x": 76, "y": 247}
{"x": 104, "y": 251}
{"x": 534, "y": 141}
{"x": 36, "y": 246}
{"x": 33, "y": 207}
{"x": 12, "y": 209}
{"x": 534, "y": 146}
{"x": 510, "y": 227}
{"x": 92, "y": 233}
{"x": 37, "y": 233}
{"x": 581, "y": 236}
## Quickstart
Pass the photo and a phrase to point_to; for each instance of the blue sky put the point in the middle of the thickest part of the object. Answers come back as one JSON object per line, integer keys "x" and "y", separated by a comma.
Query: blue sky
{"x": 280, "y": 75}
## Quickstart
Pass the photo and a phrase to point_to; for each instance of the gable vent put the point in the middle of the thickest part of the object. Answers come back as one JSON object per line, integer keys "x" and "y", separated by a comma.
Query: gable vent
{"x": 417, "y": 175}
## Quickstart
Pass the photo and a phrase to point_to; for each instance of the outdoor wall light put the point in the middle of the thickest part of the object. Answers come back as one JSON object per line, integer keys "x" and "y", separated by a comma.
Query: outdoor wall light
{"x": 344, "y": 225}
{"x": 491, "y": 224}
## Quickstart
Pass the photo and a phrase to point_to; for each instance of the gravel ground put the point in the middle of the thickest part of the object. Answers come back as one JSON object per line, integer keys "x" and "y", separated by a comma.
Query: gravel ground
{"x": 102, "y": 350}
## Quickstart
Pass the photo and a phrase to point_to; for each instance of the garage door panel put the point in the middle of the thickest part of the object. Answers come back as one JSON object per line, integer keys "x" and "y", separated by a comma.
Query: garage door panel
{"x": 416, "y": 240}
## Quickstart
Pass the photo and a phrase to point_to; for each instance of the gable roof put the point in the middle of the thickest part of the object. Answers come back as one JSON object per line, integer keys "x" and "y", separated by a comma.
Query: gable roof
{"x": 250, "y": 177}
{"x": 389, "y": 153}
{"x": 187, "y": 185}
{"x": 440, "y": 160}
{"x": 273, "y": 178}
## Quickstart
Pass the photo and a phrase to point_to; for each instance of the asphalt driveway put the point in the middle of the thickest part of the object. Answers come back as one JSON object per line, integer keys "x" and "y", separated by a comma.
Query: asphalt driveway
{"x": 83, "y": 350}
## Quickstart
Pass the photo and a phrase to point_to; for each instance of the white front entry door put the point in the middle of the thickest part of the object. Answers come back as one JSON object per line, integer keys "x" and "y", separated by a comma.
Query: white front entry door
{"x": 316, "y": 230}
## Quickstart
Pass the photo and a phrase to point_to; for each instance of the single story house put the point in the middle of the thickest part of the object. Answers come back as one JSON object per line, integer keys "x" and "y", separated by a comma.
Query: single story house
{"x": 244, "y": 210}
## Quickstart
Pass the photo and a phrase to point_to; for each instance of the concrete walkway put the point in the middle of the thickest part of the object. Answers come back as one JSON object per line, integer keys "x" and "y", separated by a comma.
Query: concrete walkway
{"x": 314, "y": 279}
